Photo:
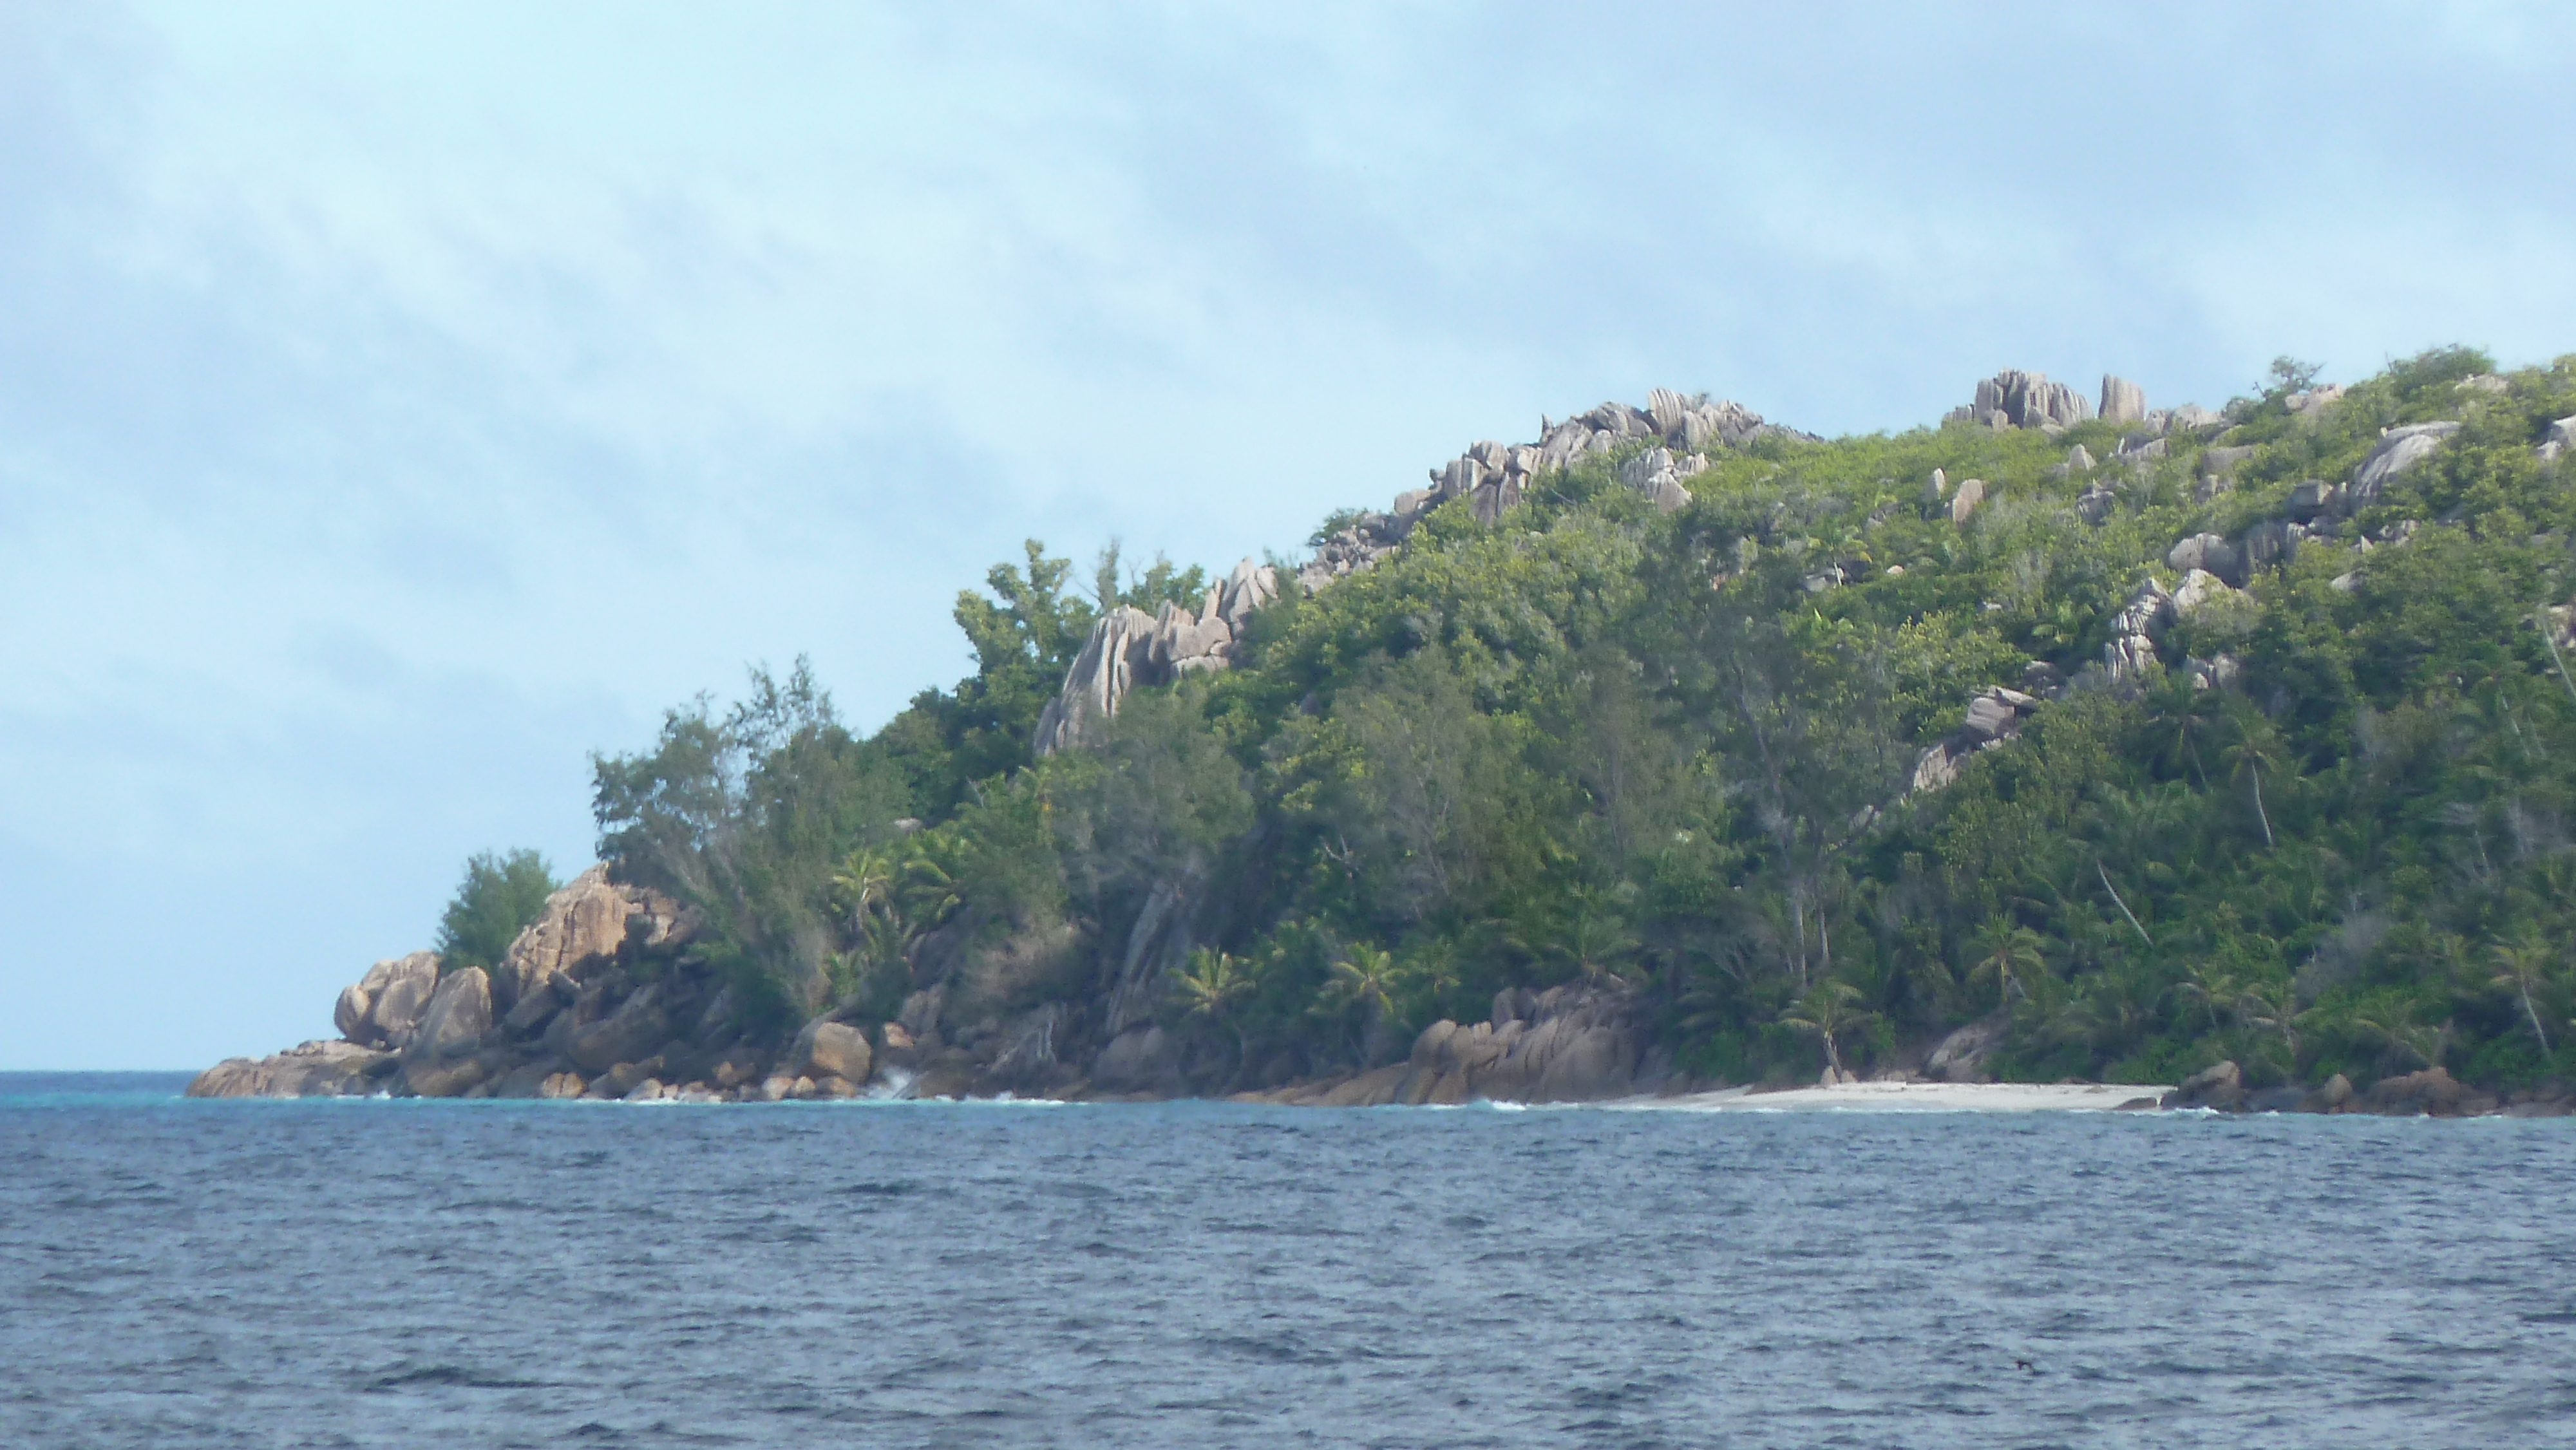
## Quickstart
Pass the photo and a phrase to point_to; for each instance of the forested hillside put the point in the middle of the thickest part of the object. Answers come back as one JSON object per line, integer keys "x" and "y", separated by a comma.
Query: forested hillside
{"x": 1726, "y": 754}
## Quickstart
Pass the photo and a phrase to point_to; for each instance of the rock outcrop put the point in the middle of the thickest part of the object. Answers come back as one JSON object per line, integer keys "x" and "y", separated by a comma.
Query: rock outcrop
{"x": 2130, "y": 656}
{"x": 1994, "y": 716}
{"x": 382, "y": 1008}
{"x": 442, "y": 1058}
{"x": 311, "y": 1070}
{"x": 589, "y": 917}
{"x": 2122, "y": 401}
{"x": 1493, "y": 477}
{"x": 1129, "y": 647}
{"x": 2016, "y": 399}
{"x": 2399, "y": 450}
{"x": 1569, "y": 1044}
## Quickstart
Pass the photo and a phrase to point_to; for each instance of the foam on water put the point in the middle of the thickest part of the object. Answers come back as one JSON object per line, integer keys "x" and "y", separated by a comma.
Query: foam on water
{"x": 355, "y": 1273}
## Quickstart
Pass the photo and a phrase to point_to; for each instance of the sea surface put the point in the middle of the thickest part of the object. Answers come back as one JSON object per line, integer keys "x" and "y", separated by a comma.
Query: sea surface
{"x": 184, "y": 1274}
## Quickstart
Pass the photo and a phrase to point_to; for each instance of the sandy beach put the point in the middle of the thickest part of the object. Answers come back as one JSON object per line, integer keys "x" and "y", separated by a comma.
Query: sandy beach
{"x": 1917, "y": 1097}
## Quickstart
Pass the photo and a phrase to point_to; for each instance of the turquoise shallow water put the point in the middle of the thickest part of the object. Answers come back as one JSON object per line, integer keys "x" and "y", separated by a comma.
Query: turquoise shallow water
{"x": 537, "y": 1274}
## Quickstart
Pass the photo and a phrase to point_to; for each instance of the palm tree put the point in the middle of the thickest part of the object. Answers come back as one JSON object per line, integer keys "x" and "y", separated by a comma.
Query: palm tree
{"x": 863, "y": 884}
{"x": 1207, "y": 990}
{"x": 2521, "y": 963}
{"x": 2011, "y": 952}
{"x": 1364, "y": 978}
{"x": 2210, "y": 982}
{"x": 2258, "y": 744}
{"x": 2273, "y": 1007}
{"x": 1831, "y": 1011}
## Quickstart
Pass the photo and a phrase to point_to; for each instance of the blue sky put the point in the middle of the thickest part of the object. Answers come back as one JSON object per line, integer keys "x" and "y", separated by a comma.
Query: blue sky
{"x": 397, "y": 405}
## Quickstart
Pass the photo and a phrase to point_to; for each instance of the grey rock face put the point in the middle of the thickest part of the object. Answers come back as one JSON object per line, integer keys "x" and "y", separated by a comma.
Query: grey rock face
{"x": 2016, "y": 399}
{"x": 1972, "y": 492}
{"x": 586, "y": 920}
{"x": 2131, "y": 653}
{"x": 1129, "y": 647}
{"x": 2561, "y": 436}
{"x": 2222, "y": 462}
{"x": 2221, "y": 1086}
{"x": 1994, "y": 716}
{"x": 2399, "y": 449}
{"x": 2122, "y": 401}
{"x": 1140, "y": 1059}
{"x": 2198, "y": 591}
{"x": 2211, "y": 552}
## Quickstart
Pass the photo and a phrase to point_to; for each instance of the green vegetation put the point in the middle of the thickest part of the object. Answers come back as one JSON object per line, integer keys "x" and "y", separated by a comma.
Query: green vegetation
{"x": 497, "y": 899}
{"x": 1592, "y": 742}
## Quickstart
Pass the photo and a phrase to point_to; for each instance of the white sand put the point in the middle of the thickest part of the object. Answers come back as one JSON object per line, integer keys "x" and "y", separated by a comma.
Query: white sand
{"x": 1913, "y": 1097}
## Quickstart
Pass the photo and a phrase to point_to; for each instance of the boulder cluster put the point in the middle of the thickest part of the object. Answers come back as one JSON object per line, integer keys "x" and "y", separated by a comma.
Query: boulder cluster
{"x": 1568, "y": 1044}
{"x": 1994, "y": 717}
{"x": 2431, "y": 1092}
{"x": 595, "y": 999}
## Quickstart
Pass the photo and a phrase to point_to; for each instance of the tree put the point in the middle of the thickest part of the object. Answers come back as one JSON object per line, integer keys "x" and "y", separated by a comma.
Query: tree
{"x": 1364, "y": 980}
{"x": 498, "y": 898}
{"x": 2523, "y": 964}
{"x": 1207, "y": 991}
{"x": 747, "y": 817}
{"x": 2008, "y": 952}
{"x": 1829, "y": 1013}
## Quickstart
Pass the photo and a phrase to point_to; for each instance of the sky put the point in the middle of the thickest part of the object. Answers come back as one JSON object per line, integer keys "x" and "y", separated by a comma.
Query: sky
{"x": 399, "y": 404}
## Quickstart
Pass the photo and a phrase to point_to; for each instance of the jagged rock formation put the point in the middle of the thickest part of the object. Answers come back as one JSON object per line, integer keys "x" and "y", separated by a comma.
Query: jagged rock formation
{"x": 1493, "y": 477}
{"x": 2016, "y": 399}
{"x": 1129, "y": 647}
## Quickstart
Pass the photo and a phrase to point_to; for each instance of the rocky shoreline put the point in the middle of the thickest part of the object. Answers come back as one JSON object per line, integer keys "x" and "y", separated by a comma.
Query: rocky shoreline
{"x": 600, "y": 999}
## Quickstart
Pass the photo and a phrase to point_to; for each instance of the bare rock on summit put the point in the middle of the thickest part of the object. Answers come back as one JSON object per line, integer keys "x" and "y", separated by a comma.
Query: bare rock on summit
{"x": 2122, "y": 401}
{"x": 2016, "y": 399}
{"x": 1129, "y": 648}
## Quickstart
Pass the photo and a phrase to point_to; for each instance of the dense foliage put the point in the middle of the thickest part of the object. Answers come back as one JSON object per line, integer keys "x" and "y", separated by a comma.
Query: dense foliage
{"x": 499, "y": 896}
{"x": 1591, "y": 741}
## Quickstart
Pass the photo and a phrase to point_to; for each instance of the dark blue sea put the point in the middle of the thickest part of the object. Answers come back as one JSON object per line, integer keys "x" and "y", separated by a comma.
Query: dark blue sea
{"x": 182, "y": 1274}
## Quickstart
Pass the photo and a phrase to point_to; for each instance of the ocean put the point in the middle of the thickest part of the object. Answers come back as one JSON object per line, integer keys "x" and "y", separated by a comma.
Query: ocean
{"x": 352, "y": 1273}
